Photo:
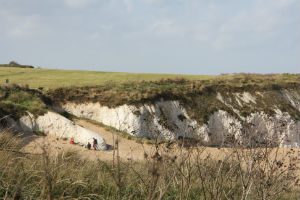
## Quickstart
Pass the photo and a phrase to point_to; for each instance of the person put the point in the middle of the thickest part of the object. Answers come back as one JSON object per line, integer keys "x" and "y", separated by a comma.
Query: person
{"x": 88, "y": 146}
{"x": 95, "y": 144}
{"x": 72, "y": 140}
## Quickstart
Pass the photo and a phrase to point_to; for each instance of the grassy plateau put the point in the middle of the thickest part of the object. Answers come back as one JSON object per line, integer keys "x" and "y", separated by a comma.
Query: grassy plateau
{"x": 51, "y": 78}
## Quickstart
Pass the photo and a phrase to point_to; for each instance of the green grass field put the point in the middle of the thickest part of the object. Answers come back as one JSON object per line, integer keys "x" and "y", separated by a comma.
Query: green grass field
{"x": 50, "y": 78}
{"x": 54, "y": 78}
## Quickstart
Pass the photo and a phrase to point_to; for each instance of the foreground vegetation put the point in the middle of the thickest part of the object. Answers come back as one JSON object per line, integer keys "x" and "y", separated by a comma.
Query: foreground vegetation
{"x": 241, "y": 174}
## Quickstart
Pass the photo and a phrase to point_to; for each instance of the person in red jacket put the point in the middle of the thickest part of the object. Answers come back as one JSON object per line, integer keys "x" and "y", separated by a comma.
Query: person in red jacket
{"x": 72, "y": 140}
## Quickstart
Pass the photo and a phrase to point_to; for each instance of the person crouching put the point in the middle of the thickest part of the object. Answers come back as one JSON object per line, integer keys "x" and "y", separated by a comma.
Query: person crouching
{"x": 95, "y": 144}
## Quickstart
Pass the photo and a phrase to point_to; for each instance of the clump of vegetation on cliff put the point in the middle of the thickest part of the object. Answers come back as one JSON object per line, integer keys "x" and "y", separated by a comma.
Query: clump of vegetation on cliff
{"x": 15, "y": 101}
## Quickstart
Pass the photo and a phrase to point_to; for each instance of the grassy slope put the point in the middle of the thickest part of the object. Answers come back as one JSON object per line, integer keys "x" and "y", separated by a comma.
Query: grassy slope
{"x": 197, "y": 92}
{"x": 16, "y": 101}
{"x": 50, "y": 78}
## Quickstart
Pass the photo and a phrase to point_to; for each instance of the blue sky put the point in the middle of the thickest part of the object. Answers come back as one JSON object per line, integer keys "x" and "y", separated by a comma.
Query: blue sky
{"x": 162, "y": 36}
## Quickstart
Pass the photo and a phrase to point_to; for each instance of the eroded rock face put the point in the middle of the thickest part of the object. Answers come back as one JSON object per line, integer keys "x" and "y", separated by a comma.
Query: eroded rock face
{"x": 165, "y": 119}
{"x": 224, "y": 129}
{"x": 54, "y": 124}
{"x": 293, "y": 97}
{"x": 281, "y": 128}
{"x": 169, "y": 120}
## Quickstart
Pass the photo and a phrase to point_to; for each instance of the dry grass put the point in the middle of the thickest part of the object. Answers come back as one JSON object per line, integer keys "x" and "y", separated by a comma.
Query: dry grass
{"x": 241, "y": 174}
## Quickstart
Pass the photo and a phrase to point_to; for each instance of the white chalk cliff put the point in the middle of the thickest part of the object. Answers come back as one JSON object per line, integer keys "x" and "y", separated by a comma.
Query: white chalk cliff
{"x": 169, "y": 120}
{"x": 165, "y": 119}
{"x": 54, "y": 124}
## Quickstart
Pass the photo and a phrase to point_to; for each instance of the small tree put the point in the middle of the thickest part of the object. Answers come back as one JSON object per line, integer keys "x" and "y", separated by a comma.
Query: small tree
{"x": 13, "y": 63}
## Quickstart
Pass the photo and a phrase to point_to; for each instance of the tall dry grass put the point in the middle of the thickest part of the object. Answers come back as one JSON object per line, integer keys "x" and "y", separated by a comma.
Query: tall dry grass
{"x": 258, "y": 173}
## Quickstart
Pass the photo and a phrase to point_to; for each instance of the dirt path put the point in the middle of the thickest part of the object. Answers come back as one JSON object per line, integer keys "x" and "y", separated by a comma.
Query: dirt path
{"x": 128, "y": 149}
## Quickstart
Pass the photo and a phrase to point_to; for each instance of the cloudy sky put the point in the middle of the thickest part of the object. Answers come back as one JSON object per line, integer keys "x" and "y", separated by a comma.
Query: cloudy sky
{"x": 172, "y": 36}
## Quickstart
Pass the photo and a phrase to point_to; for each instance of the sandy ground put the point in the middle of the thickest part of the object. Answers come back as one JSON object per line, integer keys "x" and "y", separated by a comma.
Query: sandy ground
{"x": 128, "y": 149}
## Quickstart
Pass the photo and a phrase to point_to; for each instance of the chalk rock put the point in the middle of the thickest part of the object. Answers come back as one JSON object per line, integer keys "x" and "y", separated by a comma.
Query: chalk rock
{"x": 54, "y": 124}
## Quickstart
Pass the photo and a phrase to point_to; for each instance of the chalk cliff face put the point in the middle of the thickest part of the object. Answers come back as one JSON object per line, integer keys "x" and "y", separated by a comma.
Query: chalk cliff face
{"x": 165, "y": 119}
{"x": 54, "y": 124}
{"x": 281, "y": 128}
{"x": 170, "y": 119}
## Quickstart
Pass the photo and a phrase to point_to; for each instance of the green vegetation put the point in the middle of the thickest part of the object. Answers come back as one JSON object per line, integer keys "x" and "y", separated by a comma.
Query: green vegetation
{"x": 16, "y": 65}
{"x": 51, "y": 78}
{"x": 16, "y": 101}
{"x": 113, "y": 94}
{"x": 240, "y": 174}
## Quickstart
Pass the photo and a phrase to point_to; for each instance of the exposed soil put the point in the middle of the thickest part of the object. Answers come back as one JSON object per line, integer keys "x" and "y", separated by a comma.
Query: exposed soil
{"x": 129, "y": 150}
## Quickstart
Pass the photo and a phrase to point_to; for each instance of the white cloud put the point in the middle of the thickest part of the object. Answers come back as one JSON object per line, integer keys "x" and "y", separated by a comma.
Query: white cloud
{"x": 151, "y": 1}
{"x": 77, "y": 3}
{"x": 253, "y": 25}
{"x": 165, "y": 27}
{"x": 29, "y": 27}
{"x": 21, "y": 26}
{"x": 102, "y": 31}
{"x": 129, "y": 5}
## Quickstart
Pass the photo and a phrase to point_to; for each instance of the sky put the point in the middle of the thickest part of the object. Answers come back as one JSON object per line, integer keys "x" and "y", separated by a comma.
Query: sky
{"x": 153, "y": 36}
